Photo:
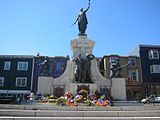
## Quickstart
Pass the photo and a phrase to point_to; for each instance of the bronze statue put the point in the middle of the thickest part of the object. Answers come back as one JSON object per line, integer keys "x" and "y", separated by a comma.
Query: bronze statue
{"x": 83, "y": 69}
{"x": 115, "y": 67}
{"x": 82, "y": 20}
{"x": 45, "y": 67}
{"x": 79, "y": 68}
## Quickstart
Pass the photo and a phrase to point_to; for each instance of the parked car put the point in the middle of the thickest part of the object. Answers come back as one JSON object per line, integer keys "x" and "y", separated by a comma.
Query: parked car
{"x": 151, "y": 99}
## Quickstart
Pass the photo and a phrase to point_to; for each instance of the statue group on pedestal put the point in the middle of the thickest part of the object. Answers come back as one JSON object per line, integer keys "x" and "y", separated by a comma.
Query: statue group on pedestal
{"x": 83, "y": 69}
{"x": 115, "y": 67}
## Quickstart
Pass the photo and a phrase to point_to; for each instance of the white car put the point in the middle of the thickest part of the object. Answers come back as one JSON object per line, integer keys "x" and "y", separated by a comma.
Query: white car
{"x": 151, "y": 99}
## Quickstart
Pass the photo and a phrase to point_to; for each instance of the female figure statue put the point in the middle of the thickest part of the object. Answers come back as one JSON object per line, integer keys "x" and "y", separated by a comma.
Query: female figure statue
{"x": 82, "y": 20}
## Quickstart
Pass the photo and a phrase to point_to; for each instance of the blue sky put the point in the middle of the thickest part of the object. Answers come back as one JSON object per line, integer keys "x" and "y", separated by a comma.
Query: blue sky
{"x": 117, "y": 26}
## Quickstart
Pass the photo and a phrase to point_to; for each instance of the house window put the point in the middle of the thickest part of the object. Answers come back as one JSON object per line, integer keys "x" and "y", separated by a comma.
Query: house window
{"x": 21, "y": 81}
{"x": 153, "y": 54}
{"x": 22, "y": 66}
{"x": 1, "y": 81}
{"x": 7, "y": 65}
{"x": 133, "y": 75}
{"x": 155, "y": 69}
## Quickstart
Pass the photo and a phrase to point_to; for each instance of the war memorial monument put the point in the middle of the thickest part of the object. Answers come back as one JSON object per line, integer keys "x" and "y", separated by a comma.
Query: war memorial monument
{"x": 82, "y": 71}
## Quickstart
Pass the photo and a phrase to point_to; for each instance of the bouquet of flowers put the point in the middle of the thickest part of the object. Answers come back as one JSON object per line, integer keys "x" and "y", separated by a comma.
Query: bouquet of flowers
{"x": 78, "y": 98}
{"x": 71, "y": 102}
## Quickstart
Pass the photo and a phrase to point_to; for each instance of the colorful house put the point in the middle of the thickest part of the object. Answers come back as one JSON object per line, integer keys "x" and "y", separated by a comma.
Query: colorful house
{"x": 150, "y": 65}
{"x": 131, "y": 73}
{"x": 16, "y": 75}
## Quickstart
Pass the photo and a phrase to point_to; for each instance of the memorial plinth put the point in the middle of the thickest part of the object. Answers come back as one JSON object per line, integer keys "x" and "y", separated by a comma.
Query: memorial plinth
{"x": 73, "y": 87}
{"x": 82, "y": 45}
{"x": 66, "y": 82}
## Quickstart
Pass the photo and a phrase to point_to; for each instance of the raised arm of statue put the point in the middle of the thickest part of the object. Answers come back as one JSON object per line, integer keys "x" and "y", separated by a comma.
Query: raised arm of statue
{"x": 82, "y": 20}
{"x": 88, "y": 6}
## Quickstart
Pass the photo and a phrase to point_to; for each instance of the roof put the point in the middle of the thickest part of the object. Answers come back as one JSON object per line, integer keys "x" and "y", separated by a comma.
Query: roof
{"x": 16, "y": 56}
{"x": 142, "y": 45}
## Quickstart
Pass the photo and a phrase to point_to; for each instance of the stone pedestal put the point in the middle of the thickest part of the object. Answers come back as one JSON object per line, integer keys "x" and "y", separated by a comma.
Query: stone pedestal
{"x": 82, "y": 45}
{"x": 48, "y": 85}
{"x": 73, "y": 87}
{"x": 66, "y": 82}
{"x": 118, "y": 89}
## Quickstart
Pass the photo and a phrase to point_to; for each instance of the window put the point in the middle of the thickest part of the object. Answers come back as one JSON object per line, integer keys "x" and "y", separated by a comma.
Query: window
{"x": 22, "y": 66}
{"x": 21, "y": 81}
{"x": 1, "y": 81}
{"x": 133, "y": 75}
{"x": 155, "y": 68}
{"x": 153, "y": 54}
{"x": 7, "y": 65}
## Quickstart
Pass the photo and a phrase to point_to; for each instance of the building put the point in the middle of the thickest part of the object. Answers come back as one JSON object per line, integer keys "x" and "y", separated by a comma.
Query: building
{"x": 150, "y": 64}
{"x": 131, "y": 73}
{"x": 16, "y": 75}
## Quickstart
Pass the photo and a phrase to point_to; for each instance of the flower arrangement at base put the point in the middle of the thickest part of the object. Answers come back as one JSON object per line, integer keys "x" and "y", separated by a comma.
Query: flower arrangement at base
{"x": 60, "y": 101}
{"x": 99, "y": 102}
{"x": 107, "y": 103}
{"x": 87, "y": 102}
{"x": 68, "y": 95}
{"x": 103, "y": 102}
{"x": 52, "y": 99}
{"x": 44, "y": 100}
{"x": 78, "y": 98}
{"x": 71, "y": 102}
{"x": 83, "y": 99}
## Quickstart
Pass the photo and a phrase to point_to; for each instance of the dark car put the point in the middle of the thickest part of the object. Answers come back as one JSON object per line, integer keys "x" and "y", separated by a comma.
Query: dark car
{"x": 151, "y": 99}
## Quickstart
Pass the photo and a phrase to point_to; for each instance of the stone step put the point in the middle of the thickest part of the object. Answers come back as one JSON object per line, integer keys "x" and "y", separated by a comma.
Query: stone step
{"x": 50, "y": 113}
{"x": 79, "y": 108}
{"x": 79, "y": 118}
{"x": 127, "y": 103}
